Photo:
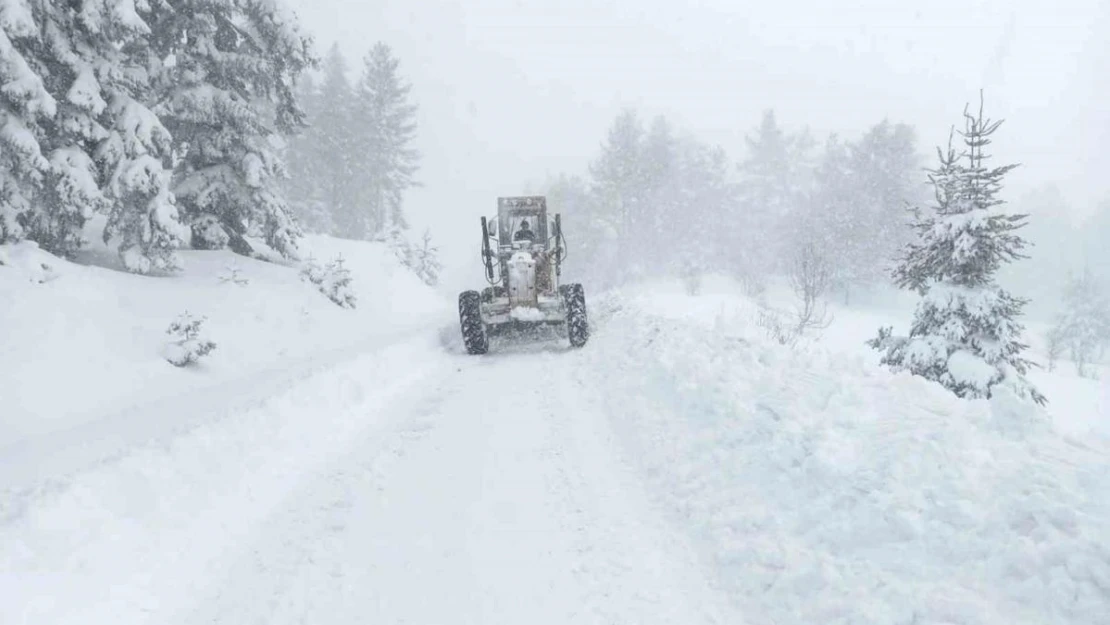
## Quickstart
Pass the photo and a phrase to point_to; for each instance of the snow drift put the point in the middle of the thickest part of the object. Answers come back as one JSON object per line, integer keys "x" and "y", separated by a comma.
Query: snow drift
{"x": 825, "y": 489}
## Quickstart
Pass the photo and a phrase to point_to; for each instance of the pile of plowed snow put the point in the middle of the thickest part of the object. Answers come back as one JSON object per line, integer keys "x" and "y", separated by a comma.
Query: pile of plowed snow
{"x": 84, "y": 340}
{"x": 825, "y": 489}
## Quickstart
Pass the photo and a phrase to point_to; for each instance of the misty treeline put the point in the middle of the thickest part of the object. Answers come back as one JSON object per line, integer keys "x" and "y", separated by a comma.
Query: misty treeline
{"x": 350, "y": 168}
{"x": 841, "y": 216}
{"x": 659, "y": 202}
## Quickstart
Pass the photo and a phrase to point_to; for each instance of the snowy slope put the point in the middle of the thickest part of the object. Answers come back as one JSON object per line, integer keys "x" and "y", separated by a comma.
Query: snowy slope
{"x": 826, "y": 490}
{"x": 83, "y": 343}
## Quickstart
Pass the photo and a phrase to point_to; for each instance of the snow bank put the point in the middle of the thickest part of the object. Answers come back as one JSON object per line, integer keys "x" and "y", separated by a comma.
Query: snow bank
{"x": 825, "y": 489}
{"x": 140, "y": 538}
{"x": 80, "y": 341}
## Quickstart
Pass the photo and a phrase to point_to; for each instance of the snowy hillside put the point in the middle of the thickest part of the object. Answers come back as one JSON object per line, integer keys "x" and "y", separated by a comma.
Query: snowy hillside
{"x": 83, "y": 344}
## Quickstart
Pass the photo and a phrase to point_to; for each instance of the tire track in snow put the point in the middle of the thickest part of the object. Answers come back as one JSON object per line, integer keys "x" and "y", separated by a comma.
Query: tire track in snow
{"x": 495, "y": 500}
{"x": 300, "y": 563}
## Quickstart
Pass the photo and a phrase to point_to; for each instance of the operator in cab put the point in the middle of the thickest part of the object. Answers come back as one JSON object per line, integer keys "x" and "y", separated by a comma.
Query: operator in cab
{"x": 525, "y": 233}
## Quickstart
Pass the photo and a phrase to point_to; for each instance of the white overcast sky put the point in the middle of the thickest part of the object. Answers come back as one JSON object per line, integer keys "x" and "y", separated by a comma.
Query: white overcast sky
{"x": 511, "y": 91}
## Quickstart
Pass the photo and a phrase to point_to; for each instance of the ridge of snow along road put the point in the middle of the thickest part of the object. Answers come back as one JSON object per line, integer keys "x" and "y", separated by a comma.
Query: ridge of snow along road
{"x": 824, "y": 489}
{"x": 86, "y": 549}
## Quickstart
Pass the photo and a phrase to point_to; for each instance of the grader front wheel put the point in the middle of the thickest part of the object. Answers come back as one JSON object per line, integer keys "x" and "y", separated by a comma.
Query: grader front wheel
{"x": 470, "y": 322}
{"x": 578, "y": 327}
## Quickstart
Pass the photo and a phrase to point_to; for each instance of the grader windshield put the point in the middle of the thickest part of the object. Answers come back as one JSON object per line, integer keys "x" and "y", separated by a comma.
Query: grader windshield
{"x": 522, "y": 221}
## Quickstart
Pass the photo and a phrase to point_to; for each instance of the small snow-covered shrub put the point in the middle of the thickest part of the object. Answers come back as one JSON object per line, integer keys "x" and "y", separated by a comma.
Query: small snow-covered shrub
{"x": 231, "y": 274}
{"x": 333, "y": 280}
{"x": 425, "y": 260}
{"x": 27, "y": 258}
{"x": 778, "y": 329}
{"x": 188, "y": 344}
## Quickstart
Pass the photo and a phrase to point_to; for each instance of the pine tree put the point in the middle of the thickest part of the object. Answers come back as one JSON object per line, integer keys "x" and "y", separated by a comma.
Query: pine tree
{"x": 965, "y": 334}
{"x": 425, "y": 260}
{"x": 570, "y": 197}
{"x": 385, "y": 130}
{"x": 832, "y": 220}
{"x": 695, "y": 230}
{"x": 776, "y": 179}
{"x": 618, "y": 179}
{"x": 24, "y": 106}
{"x": 306, "y": 184}
{"x": 857, "y": 205}
{"x": 105, "y": 149}
{"x": 660, "y": 169}
{"x": 884, "y": 163}
{"x": 1083, "y": 326}
{"x": 229, "y": 101}
{"x": 336, "y": 148}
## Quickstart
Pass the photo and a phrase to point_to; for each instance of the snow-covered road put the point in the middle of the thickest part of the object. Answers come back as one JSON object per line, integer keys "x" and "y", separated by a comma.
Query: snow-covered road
{"x": 681, "y": 468}
{"x": 406, "y": 485}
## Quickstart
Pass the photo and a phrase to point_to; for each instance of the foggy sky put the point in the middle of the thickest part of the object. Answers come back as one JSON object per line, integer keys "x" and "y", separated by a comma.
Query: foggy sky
{"x": 511, "y": 92}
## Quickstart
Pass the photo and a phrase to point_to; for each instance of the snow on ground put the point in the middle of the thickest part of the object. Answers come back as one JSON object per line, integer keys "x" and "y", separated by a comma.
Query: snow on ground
{"x": 83, "y": 342}
{"x": 823, "y": 489}
{"x": 334, "y": 466}
{"x": 401, "y": 481}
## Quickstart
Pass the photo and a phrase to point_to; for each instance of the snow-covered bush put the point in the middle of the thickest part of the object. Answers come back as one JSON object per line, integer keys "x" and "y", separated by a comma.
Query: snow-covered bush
{"x": 231, "y": 274}
{"x": 810, "y": 276}
{"x": 333, "y": 280}
{"x": 777, "y": 328}
{"x": 188, "y": 344}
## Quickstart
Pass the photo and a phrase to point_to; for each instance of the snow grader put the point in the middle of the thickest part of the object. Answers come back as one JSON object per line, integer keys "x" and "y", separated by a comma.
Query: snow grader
{"x": 523, "y": 256}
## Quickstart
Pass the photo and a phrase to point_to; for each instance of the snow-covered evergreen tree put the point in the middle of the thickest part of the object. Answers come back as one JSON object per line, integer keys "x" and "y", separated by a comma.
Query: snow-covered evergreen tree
{"x": 105, "y": 150}
{"x": 694, "y": 229}
{"x": 305, "y": 185}
{"x": 662, "y": 197}
{"x": 25, "y": 105}
{"x": 1083, "y": 326}
{"x": 570, "y": 197}
{"x": 385, "y": 129}
{"x": 884, "y": 164}
{"x": 327, "y": 160}
{"x": 965, "y": 333}
{"x": 227, "y": 95}
{"x": 425, "y": 260}
{"x": 775, "y": 182}
{"x": 618, "y": 179}
{"x": 831, "y": 223}
{"x": 857, "y": 208}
